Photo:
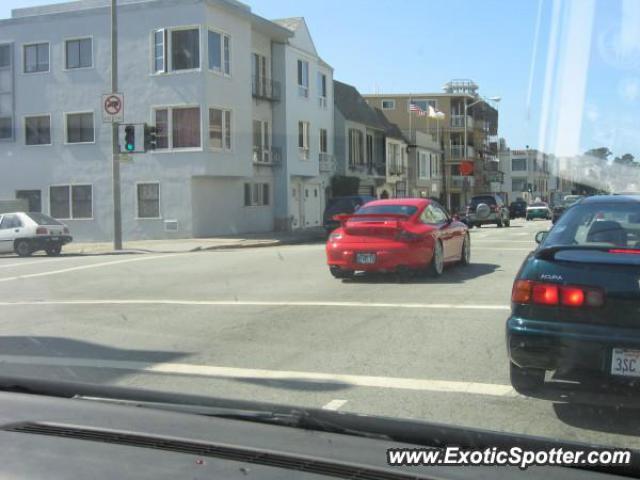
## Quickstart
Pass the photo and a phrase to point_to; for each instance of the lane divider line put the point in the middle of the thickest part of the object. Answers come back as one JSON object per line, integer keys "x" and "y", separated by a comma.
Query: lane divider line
{"x": 256, "y": 303}
{"x": 86, "y": 267}
{"x": 334, "y": 405}
{"x": 233, "y": 373}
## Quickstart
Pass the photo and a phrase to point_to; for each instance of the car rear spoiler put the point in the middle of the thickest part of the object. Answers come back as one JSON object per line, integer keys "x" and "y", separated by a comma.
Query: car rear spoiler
{"x": 344, "y": 217}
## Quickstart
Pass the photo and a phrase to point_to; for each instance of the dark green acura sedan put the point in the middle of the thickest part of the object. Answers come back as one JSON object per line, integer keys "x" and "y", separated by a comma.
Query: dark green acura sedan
{"x": 576, "y": 299}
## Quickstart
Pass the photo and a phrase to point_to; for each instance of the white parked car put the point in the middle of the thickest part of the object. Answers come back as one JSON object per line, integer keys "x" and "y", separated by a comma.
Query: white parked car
{"x": 25, "y": 233}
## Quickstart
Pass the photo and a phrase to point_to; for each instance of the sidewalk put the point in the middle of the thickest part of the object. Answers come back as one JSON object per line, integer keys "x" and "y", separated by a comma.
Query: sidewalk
{"x": 182, "y": 245}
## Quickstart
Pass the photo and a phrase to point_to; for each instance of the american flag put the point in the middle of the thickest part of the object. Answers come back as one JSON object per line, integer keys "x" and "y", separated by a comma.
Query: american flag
{"x": 415, "y": 108}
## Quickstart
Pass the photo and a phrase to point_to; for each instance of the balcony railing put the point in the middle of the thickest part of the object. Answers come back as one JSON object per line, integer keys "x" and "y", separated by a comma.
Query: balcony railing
{"x": 458, "y": 181}
{"x": 266, "y": 156}
{"x": 265, "y": 88}
{"x": 397, "y": 170}
{"x": 326, "y": 162}
{"x": 458, "y": 152}
{"x": 457, "y": 121}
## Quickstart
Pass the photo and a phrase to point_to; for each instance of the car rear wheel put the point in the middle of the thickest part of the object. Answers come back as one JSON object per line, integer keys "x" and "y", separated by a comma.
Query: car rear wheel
{"x": 23, "y": 248}
{"x": 436, "y": 267}
{"x": 465, "y": 255}
{"x": 526, "y": 380}
{"x": 507, "y": 223}
{"x": 499, "y": 223}
{"x": 54, "y": 250}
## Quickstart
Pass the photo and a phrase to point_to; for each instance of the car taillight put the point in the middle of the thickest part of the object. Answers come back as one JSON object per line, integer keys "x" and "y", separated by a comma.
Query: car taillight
{"x": 41, "y": 231}
{"x": 405, "y": 236}
{"x": 625, "y": 250}
{"x": 545, "y": 294}
{"x": 493, "y": 208}
{"x": 538, "y": 293}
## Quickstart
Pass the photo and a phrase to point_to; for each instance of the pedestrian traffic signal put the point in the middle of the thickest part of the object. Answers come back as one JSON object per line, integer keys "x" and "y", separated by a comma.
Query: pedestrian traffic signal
{"x": 150, "y": 137}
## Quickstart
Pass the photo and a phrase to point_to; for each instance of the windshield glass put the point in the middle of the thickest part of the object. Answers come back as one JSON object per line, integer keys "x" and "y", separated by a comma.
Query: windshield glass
{"x": 614, "y": 224}
{"x": 200, "y": 173}
{"x": 394, "y": 209}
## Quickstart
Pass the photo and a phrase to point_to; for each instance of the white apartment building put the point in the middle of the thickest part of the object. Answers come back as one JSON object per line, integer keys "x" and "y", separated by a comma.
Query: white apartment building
{"x": 526, "y": 174}
{"x": 219, "y": 83}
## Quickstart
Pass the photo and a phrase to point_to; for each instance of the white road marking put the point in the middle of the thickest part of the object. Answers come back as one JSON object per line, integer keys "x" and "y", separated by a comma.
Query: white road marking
{"x": 334, "y": 404}
{"x": 446, "y": 386}
{"x": 498, "y": 240}
{"x": 502, "y": 249}
{"x": 39, "y": 261}
{"x": 257, "y": 303}
{"x": 85, "y": 267}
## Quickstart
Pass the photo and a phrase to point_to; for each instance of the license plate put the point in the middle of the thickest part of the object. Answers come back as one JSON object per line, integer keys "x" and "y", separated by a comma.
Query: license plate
{"x": 625, "y": 362}
{"x": 366, "y": 258}
{"x": 55, "y": 239}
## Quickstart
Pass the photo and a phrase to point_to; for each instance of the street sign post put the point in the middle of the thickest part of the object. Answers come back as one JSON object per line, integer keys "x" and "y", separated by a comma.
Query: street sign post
{"x": 113, "y": 108}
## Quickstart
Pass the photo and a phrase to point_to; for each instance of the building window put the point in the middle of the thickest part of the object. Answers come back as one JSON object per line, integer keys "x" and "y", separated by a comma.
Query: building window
{"x": 303, "y": 139}
{"x": 185, "y": 49}
{"x": 79, "y": 53}
{"x": 424, "y": 165}
{"x": 356, "y": 155}
{"x": 178, "y": 127}
{"x": 261, "y": 141}
{"x": 219, "y": 46}
{"x": 5, "y": 55}
{"x": 519, "y": 165}
{"x": 369, "y": 147}
{"x": 33, "y": 198}
{"x": 256, "y": 194}
{"x": 220, "y": 128}
{"x": 80, "y": 127}
{"x": 37, "y": 130}
{"x": 323, "y": 140}
{"x": 71, "y": 201}
{"x": 148, "y": 196}
{"x": 518, "y": 184}
{"x": 388, "y": 104}
{"x": 160, "y": 51}
{"x": 36, "y": 58}
{"x": 6, "y": 128}
{"x": 322, "y": 90}
{"x": 303, "y": 78}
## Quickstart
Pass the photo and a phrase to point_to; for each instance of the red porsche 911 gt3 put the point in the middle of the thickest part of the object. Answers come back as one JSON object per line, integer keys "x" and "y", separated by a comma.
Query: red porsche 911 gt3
{"x": 399, "y": 235}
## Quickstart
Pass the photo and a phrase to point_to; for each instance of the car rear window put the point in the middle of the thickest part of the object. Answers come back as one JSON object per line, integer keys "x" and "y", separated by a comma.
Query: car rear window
{"x": 393, "y": 209}
{"x": 489, "y": 200}
{"x": 612, "y": 224}
{"x": 42, "y": 219}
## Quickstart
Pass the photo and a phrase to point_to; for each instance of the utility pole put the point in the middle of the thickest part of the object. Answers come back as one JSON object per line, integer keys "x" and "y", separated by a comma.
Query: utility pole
{"x": 115, "y": 158}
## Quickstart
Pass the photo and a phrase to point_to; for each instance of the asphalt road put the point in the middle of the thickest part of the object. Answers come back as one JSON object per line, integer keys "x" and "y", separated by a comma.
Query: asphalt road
{"x": 271, "y": 324}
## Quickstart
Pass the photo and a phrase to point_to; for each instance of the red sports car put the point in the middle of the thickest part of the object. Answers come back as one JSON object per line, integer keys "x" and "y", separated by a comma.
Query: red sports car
{"x": 400, "y": 235}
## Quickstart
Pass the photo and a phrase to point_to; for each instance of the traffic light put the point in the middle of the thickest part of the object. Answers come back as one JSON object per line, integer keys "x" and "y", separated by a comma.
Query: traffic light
{"x": 130, "y": 138}
{"x": 150, "y": 137}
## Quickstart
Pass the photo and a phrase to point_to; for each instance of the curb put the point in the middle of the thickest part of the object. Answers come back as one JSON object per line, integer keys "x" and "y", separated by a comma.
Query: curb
{"x": 265, "y": 244}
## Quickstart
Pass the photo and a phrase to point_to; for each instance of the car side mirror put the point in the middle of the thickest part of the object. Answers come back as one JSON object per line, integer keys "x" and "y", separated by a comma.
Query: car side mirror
{"x": 540, "y": 236}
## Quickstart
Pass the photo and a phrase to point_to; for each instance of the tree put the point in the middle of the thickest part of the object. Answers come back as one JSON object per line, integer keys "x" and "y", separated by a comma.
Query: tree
{"x": 626, "y": 159}
{"x": 602, "y": 153}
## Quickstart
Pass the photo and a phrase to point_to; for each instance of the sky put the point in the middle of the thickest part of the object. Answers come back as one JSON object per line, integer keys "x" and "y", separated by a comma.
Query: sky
{"x": 567, "y": 71}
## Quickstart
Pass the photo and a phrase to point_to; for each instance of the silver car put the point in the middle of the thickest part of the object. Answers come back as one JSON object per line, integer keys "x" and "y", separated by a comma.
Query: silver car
{"x": 25, "y": 233}
{"x": 487, "y": 209}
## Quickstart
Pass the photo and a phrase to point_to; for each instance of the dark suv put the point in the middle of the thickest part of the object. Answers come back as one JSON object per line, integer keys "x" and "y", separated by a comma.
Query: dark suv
{"x": 339, "y": 205}
{"x": 487, "y": 209}
{"x": 518, "y": 209}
